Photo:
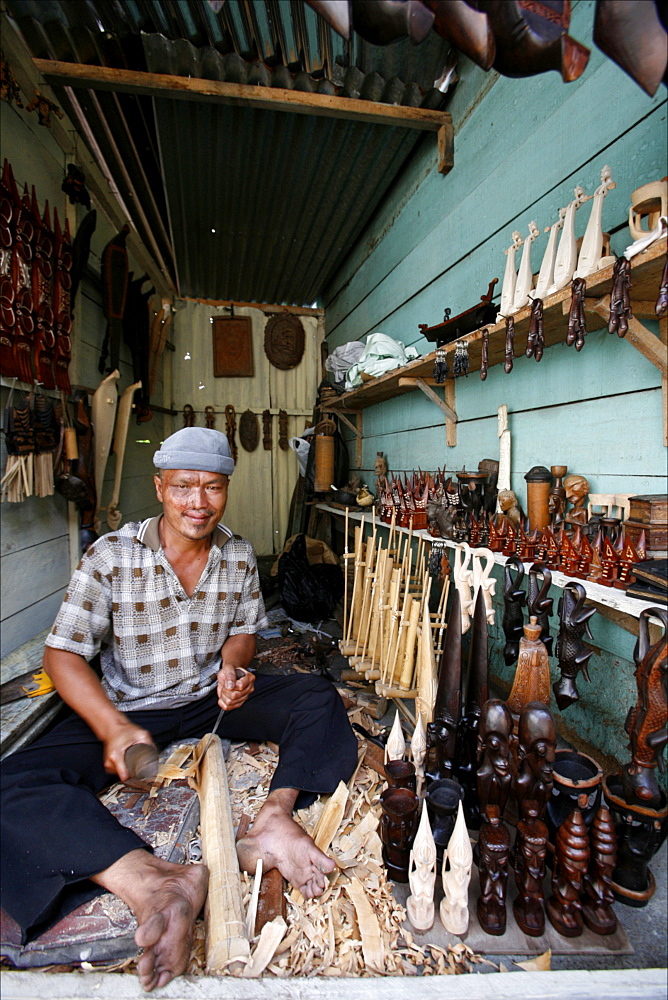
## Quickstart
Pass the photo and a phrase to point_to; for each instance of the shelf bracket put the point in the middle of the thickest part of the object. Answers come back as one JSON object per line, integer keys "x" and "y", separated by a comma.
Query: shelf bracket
{"x": 651, "y": 347}
{"x": 447, "y": 405}
{"x": 446, "y": 148}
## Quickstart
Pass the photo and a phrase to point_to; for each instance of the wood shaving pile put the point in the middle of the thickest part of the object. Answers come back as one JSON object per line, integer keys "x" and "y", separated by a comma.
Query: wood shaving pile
{"x": 355, "y": 927}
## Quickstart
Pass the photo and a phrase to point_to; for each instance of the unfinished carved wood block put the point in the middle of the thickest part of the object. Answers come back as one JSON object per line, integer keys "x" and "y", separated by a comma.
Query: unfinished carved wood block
{"x": 227, "y": 946}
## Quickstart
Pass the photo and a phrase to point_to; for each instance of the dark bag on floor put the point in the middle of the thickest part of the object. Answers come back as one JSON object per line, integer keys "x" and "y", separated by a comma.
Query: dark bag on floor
{"x": 308, "y": 593}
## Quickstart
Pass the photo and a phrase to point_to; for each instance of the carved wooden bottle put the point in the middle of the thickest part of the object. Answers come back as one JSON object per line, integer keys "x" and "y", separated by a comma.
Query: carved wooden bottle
{"x": 532, "y": 675}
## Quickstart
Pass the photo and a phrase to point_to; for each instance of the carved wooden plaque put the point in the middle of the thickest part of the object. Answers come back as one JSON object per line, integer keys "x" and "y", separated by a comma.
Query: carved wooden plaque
{"x": 232, "y": 347}
{"x": 284, "y": 341}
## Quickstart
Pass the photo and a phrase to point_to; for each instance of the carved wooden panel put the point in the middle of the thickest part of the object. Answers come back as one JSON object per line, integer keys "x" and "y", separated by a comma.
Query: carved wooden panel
{"x": 232, "y": 347}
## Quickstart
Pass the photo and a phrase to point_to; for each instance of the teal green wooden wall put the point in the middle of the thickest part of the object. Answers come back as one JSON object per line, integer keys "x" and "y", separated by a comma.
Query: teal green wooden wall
{"x": 521, "y": 146}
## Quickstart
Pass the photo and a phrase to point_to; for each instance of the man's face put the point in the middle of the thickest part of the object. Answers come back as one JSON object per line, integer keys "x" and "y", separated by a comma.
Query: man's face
{"x": 193, "y": 502}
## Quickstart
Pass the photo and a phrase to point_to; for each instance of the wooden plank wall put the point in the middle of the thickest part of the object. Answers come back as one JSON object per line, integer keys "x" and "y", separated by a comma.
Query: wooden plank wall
{"x": 34, "y": 540}
{"x": 263, "y": 481}
{"x": 521, "y": 146}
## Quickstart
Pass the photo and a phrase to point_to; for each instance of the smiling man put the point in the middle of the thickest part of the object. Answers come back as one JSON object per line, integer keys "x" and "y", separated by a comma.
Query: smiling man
{"x": 171, "y": 605}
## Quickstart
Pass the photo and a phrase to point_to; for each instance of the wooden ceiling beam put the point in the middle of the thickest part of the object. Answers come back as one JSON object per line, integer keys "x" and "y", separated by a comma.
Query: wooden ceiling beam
{"x": 238, "y": 94}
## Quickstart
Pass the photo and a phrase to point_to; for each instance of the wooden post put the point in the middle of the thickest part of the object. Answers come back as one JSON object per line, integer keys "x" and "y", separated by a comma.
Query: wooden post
{"x": 227, "y": 946}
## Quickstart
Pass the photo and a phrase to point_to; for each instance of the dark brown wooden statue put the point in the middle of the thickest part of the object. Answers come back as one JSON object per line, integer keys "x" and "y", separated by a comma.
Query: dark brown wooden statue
{"x": 477, "y": 693}
{"x": 442, "y": 732}
{"x": 514, "y": 599}
{"x": 571, "y": 860}
{"x": 572, "y": 653}
{"x": 493, "y": 854}
{"x": 537, "y": 738}
{"x": 597, "y": 911}
{"x": 646, "y": 722}
{"x": 529, "y": 865}
{"x": 538, "y": 603}
{"x": 398, "y": 826}
{"x": 494, "y": 775}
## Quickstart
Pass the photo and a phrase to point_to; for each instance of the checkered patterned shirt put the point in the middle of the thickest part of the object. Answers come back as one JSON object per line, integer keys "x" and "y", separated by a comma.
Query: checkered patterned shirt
{"x": 158, "y": 647}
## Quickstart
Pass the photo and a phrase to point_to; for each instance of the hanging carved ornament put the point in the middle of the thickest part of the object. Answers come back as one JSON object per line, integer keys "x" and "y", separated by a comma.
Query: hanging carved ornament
{"x": 249, "y": 431}
{"x": 9, "y": 87}
{"x": 284, "y": 341}
{"x": 230, "y": 428}
{"x": 210, "y": 417}
{"x": 266, "y": 430}
{"x": 283, "y": 430}
{"x": 45, "y": 108}
{"x": 188, "y": 416}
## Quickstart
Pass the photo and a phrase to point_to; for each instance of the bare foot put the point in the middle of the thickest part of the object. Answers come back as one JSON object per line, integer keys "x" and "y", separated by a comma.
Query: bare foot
{"x": 282, "y": 844}
{"x": 166, "y": 899}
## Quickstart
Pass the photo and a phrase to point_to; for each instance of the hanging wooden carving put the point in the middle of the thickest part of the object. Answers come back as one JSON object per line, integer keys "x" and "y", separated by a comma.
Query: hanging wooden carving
{"x": 249, "y": 431}
{"x": 266, "y": 430}
{"x": 232, "y": 347}
{"x": 284, "y": 341}
{"x": 62, "y": 304}
{"x": 230, "y": 428}
{"x": 42, "y": 296}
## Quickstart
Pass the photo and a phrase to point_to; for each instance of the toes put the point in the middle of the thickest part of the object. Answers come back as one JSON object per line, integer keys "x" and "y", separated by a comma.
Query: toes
{"x": 150, "y": 932}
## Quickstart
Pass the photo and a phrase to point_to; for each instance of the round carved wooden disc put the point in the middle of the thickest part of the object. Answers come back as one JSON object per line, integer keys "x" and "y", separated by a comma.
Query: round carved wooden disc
{"x": 284, "y": 341}
{"x": 249, "y": 430}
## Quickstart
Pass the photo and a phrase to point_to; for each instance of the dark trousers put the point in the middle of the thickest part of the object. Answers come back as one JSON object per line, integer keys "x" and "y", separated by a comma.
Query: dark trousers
{"x": 56, "y": 833}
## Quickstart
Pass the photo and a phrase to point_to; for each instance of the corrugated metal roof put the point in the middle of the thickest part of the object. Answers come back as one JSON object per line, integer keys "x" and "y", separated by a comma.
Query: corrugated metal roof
{"x": 287, "y": 195}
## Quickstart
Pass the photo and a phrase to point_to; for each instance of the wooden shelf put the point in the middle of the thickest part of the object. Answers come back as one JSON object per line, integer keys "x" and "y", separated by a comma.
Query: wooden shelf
{"x": 608, "y": 597}
{"x": 646, "y": 270}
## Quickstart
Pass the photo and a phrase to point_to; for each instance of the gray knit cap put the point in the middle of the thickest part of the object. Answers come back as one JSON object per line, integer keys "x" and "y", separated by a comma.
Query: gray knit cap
{"x": 198, "y": 448}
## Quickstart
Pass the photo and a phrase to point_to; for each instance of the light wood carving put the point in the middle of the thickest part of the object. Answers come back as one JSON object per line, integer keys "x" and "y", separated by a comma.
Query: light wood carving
{"x": 227, "y": 946}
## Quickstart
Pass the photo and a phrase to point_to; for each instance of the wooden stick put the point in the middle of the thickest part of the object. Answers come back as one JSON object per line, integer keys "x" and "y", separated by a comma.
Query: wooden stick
{"x": 345, "y": 576}
{"x": 408, "y": 663}
{"x": 392, "y": 619}
{"x": 327, "y": 825}
{"x": 353, "y": 623}
{"x": 227, "y": 947}
{"x": 251, "y": 915}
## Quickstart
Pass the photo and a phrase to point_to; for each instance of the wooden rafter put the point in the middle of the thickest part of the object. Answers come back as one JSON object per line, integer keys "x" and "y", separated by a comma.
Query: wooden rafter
{"x": 268, "y": 98}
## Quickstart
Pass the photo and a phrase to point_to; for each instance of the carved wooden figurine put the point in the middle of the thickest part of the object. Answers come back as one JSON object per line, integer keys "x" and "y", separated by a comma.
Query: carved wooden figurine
{"x": 566, "y": 256}
{"x": 509, "y": 278}
{"x": 477, "y": 693}
{"x": 546, "y": 273}
{"x": 514, "y": 599}
{"x": 539, "y": 605}
{"x": 577, "y": 489}
{"x": 571, "y": 860}
{"x": 494, "y": 776}
{"x": 422, "y": 876}
{"x": 529, "y": 865}
{"x": 536, "y": 744}
{"x": 524, "y": 280}
{"x": 458, "y": 858}
{"x": 463, "y": 577}
{"x": 646, "y": 723}
{"x": 494, "y": 851}
{"x": 597, "y": 911}
{"x": 510, "y": 345}
{"x": 482, "y": 564}
{"x": 590, "y": 258}
{"x": 442, "y": 732}
{"x": 570, "y": 649}
{"x": 419, "y": 750}
{"x": 397, "y": 830}
{"x": 532, "y": 675}
{"x": 395, "y": 748}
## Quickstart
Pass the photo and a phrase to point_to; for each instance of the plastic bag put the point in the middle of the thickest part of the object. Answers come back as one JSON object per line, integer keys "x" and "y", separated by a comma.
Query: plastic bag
{"x": 308, "y": 593}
